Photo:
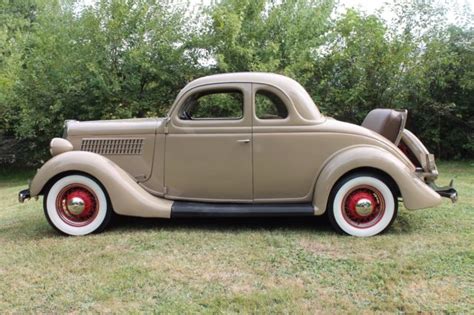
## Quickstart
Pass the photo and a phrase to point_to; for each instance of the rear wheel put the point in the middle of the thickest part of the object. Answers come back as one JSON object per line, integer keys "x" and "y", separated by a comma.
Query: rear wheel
{"x": 362, "y": 204}
{"x": 77, "y": 205}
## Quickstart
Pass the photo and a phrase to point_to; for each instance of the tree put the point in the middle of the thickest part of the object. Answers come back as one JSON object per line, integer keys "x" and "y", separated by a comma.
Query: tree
{"x": 129, "y": 58}
{"x": 440, "y": 91}
{"x": 359, "y": 69}
{"x": 16, "y": 18}
{"x": 269, "y": 36}
{"x": 117, "y": 59}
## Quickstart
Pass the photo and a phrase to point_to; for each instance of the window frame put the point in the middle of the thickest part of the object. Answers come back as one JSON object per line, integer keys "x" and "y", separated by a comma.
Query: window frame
{"x": 284, "y": 99}
{"x": 256, "y": 93}
{"x": 210, "y": 92}
{"x": 177, "y": 125}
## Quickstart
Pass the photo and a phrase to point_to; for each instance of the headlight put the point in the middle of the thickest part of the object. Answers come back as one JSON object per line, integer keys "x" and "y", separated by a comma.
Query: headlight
{"x": 59, "y": 145}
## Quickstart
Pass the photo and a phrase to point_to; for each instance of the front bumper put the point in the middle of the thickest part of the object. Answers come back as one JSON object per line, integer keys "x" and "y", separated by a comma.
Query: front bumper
{"x": 23, "y": 195}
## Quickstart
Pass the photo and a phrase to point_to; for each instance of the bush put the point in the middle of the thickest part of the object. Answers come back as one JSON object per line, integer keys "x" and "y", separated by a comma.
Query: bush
{"x": 120, "y": 59}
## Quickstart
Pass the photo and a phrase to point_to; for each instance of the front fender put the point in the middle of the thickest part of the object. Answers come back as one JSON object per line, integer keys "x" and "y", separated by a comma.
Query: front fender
{"x": 415, "y": 193}
{"x": 126, "y": 196}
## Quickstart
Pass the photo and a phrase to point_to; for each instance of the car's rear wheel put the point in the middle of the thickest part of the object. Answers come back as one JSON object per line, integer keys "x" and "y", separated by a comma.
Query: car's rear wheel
{"x": 77, "y": 205}
{"x": 362, "y": 204}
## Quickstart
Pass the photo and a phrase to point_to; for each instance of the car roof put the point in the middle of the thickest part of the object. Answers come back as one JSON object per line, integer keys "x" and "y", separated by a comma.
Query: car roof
{"x": 297, "y": 94}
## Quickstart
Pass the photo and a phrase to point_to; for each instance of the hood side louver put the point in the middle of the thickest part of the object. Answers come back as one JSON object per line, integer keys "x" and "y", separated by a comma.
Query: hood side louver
{"x": 113, "y": 146}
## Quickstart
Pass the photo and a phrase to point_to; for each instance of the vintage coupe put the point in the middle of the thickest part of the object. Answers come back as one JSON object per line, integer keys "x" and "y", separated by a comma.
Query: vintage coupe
{"x": 238, "y": 144}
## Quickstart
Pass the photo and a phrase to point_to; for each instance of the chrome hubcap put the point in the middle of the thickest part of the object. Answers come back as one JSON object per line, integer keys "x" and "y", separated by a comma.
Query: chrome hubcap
{"x": 76, "y": 205}
{"x": 364, "y": 207}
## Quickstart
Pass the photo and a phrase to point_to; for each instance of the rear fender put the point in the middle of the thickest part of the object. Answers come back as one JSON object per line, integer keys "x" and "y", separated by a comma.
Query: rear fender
{"x": 415, "y": 193}
{"x": 126, "y": 196}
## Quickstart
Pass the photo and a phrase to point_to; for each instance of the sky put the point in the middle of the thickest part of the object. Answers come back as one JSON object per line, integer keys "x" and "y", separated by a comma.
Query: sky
{"x": 369, "y": 6}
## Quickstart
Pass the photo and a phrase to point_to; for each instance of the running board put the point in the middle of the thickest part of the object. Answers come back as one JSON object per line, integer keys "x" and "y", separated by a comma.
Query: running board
{"x": 184, "y": 209}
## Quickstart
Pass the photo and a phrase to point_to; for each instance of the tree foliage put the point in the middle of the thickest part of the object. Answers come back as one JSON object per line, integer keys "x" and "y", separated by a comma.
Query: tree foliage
{"x": 129, "y": 58}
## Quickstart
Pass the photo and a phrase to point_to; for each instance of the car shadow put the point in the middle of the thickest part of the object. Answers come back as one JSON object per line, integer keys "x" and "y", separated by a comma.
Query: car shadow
{"x": 121, "y": 223}
{"x": 316, "y": 224}
{"x": 34, "y": 230}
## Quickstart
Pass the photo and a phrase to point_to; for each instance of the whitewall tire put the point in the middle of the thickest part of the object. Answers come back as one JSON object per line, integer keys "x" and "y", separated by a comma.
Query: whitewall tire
{"x": 77, "y": 205}
{"x": 362, "y": 204}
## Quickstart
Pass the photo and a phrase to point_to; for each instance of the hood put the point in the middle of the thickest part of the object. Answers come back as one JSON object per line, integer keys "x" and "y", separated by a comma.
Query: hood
{"x": 133, "y": 126}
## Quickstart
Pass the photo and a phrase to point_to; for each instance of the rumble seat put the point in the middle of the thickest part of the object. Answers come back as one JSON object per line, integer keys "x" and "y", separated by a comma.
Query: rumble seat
{"x": 386, "y": 122}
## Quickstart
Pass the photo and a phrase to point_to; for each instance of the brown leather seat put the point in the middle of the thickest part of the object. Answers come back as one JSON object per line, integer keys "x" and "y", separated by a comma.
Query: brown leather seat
{"x": 387, "y": 122}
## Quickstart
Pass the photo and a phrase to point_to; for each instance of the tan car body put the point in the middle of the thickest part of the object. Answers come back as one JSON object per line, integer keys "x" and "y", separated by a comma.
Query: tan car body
{"x": 147, "y": 164}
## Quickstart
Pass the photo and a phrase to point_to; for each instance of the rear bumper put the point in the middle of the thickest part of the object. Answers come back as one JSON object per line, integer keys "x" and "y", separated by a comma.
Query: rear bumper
{"x": 23, "y": 195}
{"x": 446, "y": 191}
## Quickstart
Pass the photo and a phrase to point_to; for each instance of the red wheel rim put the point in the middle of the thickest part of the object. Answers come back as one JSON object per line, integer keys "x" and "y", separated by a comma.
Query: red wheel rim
{"x": 77, "y": 205}
{"x": 363, "y": 206}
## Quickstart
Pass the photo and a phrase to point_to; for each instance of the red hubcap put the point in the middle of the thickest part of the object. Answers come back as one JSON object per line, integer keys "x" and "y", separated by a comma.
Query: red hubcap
{"x": 363, "y": 206}
{"x": 77, "y": 205}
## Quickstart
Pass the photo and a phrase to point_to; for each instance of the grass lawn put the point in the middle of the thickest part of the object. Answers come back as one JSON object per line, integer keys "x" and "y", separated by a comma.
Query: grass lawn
{"x": 425, "y": 263}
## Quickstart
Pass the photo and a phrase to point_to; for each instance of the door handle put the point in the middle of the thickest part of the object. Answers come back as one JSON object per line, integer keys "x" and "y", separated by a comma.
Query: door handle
{"x": 243, "y": 140}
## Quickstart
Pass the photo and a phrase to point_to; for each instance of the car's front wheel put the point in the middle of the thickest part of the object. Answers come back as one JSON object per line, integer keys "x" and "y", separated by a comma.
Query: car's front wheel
{"x": 362, "y": 204}
{"x": 77, "y": 205}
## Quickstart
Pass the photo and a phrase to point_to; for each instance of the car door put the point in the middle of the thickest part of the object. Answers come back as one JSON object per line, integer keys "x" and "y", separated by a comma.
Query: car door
{"x": 208, "y": 147}
{"x": 283, "y": 154}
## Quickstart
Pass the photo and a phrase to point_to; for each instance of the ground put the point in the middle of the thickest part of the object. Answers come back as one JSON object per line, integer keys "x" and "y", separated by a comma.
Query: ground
{"x": 424, "y": 263}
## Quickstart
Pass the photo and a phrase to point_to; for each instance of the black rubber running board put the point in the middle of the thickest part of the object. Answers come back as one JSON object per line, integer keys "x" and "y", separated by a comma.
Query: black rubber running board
{"x": 185, "y": 209}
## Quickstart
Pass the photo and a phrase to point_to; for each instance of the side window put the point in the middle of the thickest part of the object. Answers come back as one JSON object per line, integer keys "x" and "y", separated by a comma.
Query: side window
{"x": 218, "y": 104}
{"x": 269, "y": 106}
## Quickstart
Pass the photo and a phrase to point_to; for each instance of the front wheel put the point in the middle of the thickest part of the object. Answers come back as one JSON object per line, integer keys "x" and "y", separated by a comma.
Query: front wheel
{"x": 77, "y": 205}
{"x": 362, "y": 204}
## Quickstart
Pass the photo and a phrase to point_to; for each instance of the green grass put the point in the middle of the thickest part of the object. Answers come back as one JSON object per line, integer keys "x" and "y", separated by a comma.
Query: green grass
{"x": 423, "y": 264}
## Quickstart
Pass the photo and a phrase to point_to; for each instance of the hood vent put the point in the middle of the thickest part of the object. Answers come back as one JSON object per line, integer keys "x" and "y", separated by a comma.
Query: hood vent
{"x": 113, "y": 146}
